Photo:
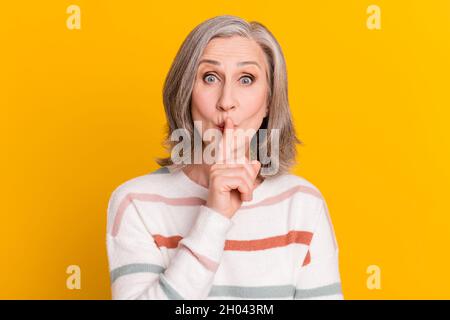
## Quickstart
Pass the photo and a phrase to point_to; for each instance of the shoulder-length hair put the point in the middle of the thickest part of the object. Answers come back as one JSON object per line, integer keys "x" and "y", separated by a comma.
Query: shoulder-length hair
{"x": 180, "y": 79}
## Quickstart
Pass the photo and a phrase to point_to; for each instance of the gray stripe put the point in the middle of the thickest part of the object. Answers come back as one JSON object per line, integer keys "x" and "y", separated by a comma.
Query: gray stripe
{"x": 334, "y": 288}
{"x": 170, "y": 292}
{"x": 161, "y": 170}
{"x": 134, "y": 268}
{"x": 253, "y": 292}
{"x": 231, "y": 291}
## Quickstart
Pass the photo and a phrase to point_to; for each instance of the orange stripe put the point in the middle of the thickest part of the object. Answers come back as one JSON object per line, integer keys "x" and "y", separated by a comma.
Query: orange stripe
{"x": 307, "y": 259}
{"x": 302, "y": 237}
{"x": 169, "y": 242}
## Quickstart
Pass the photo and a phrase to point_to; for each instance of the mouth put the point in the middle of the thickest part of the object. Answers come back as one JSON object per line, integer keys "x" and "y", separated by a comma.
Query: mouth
{"x": 221, "y": 126}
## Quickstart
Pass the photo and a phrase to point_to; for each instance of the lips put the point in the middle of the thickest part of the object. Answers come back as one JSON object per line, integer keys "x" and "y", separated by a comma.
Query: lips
{"x": 221, "y": 126}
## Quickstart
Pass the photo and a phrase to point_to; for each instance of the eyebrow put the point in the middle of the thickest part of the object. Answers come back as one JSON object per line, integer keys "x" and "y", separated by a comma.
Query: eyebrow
{"x": 239, "y": 64}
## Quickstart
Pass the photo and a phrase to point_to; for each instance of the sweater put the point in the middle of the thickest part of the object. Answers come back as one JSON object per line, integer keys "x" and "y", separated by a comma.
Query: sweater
{"x": 163, "y": 242}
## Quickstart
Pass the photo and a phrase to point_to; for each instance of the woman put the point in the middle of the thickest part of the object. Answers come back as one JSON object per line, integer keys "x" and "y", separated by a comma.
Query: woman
{"x": 224, "y": 229}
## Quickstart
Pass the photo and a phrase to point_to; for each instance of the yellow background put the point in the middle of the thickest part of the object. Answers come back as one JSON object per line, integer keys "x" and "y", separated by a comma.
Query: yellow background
{"x": 81, "y": 112}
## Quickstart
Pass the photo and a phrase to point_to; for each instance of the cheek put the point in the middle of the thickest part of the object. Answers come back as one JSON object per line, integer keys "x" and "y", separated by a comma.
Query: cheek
{"x": 254, "y": 101}
{"x": 203, "y": 103}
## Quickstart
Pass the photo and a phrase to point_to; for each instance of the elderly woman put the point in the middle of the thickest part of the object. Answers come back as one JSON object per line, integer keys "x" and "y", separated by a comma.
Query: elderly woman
{"x": 224, "y": 229}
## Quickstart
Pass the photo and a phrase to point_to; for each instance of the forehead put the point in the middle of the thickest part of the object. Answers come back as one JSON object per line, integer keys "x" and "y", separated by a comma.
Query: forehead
{"x": 233, "y": 49}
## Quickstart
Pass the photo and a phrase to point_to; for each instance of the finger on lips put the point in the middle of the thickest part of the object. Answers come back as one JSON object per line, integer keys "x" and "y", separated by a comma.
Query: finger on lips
{"x": 245, "y": 171}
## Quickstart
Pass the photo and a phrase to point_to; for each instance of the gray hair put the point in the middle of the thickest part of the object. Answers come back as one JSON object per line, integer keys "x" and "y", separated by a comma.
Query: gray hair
{"x": 180, "y": 80}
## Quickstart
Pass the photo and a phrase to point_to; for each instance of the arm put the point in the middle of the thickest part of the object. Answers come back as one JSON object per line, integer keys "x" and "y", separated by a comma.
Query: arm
{"x": 319, "y": 277}
{"x": 136, "y": 265}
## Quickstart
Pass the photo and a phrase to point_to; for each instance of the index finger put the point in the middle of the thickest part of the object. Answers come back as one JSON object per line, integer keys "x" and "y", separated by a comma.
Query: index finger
{"x": 223, "y": 150}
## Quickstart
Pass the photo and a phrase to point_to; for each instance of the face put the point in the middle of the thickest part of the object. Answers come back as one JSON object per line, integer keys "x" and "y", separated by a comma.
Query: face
{"x": 230, "y": 81}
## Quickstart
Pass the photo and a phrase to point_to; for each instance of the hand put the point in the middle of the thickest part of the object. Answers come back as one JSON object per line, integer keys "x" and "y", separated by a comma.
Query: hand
{"x": 231, "y": 183}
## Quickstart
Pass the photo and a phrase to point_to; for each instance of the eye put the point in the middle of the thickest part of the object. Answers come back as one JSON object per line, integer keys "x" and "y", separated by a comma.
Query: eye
{"x": 209, "y": 76}
{"x": 249, "y": 80}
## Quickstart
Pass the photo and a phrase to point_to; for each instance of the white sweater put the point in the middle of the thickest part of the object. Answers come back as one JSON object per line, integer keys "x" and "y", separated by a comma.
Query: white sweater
{"x": 164, "y": 243}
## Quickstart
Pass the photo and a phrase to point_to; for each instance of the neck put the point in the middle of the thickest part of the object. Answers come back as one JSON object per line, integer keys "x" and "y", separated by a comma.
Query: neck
{"x": 199, "y": 173}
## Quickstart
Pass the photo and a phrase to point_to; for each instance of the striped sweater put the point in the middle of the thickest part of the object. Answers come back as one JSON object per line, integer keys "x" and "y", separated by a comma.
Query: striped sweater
{"x": 164, "y": 243}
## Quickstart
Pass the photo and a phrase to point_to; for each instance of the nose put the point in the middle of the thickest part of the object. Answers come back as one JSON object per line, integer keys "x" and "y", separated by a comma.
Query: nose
{"x": 225, "y": 107}
{"x": 226, "y": 101}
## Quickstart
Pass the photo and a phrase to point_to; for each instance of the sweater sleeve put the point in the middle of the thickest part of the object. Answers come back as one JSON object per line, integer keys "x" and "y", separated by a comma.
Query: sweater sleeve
{"x": 318, "y": 277}
{"x": 136, "y": 265}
